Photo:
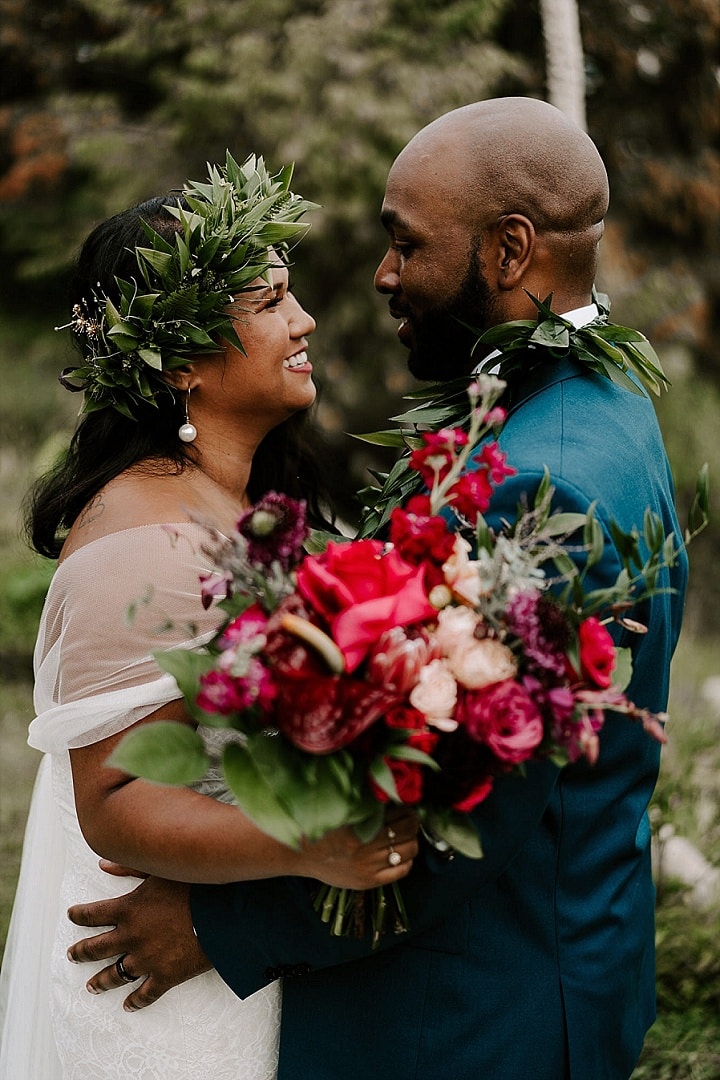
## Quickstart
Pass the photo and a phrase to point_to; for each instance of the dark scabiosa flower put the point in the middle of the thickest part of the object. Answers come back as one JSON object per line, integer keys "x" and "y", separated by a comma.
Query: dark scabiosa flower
{"x": 275, "y": 529}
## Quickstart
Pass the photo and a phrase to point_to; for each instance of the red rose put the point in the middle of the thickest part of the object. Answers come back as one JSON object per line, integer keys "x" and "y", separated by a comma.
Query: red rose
{"x": 597, "y": 653}
{"x": 405, "y": 717}
{"x": 478, "y": 794}
{"x": 420, "y": 538}
{"x": 503, "y": 717}
{"x": 361, "y": 590}
{"x": 408, "y": 777}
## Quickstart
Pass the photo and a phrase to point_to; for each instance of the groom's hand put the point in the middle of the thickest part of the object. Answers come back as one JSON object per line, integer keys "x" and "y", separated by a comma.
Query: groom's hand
{"x": 151, "y": 931}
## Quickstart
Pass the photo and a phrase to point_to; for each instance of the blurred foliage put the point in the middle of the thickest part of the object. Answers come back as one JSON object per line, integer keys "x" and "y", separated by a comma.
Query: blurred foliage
{"x": 106, "y": 102}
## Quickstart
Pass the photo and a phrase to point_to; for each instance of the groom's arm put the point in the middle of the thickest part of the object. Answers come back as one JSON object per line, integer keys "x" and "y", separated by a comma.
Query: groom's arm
{"x": 255, "y": 932}
{"x": 258, "y": 931}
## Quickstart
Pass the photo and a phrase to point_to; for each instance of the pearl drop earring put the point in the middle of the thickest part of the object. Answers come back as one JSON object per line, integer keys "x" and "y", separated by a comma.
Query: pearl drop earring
{"x": 187, "y": 432}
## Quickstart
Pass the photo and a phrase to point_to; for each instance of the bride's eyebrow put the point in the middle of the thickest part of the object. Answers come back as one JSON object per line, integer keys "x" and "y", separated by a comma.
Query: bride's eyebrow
{"x": 267, "y": 292}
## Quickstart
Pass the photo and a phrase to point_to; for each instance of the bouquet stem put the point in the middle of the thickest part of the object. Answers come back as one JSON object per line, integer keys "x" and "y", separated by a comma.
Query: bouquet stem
{"x": 348, "y": 912}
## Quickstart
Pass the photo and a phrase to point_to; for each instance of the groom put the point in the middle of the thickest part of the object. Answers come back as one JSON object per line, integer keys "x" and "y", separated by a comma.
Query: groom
{"x": 536, "y": 961}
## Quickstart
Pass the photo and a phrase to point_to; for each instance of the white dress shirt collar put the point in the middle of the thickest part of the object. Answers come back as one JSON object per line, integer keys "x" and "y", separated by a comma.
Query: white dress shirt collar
{"x": 578, "y": 317}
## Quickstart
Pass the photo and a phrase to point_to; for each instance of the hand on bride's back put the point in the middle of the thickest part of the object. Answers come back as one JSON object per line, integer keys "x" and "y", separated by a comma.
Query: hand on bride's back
{"x": 340, "y": 859}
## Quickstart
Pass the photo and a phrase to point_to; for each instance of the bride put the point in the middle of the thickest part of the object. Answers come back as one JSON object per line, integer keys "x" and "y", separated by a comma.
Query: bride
{"x": 196, "y": 378}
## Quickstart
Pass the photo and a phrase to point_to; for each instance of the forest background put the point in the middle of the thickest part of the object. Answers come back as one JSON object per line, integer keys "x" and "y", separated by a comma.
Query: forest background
{"x": 106, "y": 102}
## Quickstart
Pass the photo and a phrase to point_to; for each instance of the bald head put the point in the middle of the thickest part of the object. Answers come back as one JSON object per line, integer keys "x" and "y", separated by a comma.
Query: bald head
{"x": 515, "y": 155}
{"x": 507, "y": 194}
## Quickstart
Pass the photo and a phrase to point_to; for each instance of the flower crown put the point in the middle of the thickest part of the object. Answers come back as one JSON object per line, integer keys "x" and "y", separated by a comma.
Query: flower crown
{"x": 175, "y": 310}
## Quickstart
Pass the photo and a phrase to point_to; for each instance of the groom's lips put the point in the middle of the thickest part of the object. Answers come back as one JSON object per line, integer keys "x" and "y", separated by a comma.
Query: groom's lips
{"x": 404, "y": 332}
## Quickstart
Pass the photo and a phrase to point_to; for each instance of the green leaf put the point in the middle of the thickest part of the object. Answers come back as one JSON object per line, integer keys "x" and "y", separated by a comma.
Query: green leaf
{"x": 402, "y": 752}
{"x": 304, "y": 785}
{"x": 152, "y": 358}
{"x": 164, "y": 751}
{"x": 457, "y": 830}
{"x": 383, "y": 438}
{"x": 255, "y": 797}
{"x": 564, "y": 524}
{"x": 383, "y": 777}
{"x": 593, "y": 538}
{"x": 186, "y": 666}
{"x": 699, "y": 514}
{"x": 623, "y": 668}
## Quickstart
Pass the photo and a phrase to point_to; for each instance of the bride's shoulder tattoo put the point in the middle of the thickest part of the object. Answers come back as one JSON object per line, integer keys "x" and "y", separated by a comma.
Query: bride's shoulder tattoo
{"x": 92, "y": 511}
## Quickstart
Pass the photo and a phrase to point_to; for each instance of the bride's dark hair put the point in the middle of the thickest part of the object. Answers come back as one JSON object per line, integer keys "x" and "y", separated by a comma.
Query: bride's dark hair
{"x": 106, "y": 443}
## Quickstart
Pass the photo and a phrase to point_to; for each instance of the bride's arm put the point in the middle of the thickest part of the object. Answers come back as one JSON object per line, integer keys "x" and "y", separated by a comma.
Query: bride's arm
{"x": 180, "y": 834}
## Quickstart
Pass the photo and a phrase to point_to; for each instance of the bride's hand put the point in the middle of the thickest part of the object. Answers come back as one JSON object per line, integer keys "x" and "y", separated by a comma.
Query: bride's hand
{"x": 341, "y": 859}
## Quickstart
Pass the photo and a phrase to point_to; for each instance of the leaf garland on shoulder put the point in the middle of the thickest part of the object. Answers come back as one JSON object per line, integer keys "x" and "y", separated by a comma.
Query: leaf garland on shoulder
{"x": 618, "y": 353}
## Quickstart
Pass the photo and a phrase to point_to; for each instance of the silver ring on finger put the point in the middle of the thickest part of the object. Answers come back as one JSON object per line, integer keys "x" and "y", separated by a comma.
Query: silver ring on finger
{"x": 123, "y": 972}
{"x": 390, "y": 833}
{"x": 394, "y": 857}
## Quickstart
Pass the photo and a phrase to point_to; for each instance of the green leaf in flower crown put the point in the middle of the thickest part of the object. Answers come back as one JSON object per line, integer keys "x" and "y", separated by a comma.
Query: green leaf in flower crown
{"x": 151, "y": 357}
{"x": 159, "y": 261}
{"x": 163, "y": 751}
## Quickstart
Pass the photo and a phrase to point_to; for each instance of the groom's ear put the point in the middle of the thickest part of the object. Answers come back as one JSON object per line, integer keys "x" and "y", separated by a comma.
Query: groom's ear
{"x": 513, "y": 250}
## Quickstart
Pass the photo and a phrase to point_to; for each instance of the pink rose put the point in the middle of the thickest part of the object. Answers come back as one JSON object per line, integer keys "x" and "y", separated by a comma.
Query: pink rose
{"x": 480, "y": 663}
{"x": 361, "y": 590}
{"x": 503, "y": 717}
{"x": 455, "y": 628}
{"x": 435, "y": 695}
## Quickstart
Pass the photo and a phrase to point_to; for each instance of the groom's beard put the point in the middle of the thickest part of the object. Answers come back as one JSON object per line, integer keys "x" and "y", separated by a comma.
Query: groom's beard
{"x": 442, "y": 345}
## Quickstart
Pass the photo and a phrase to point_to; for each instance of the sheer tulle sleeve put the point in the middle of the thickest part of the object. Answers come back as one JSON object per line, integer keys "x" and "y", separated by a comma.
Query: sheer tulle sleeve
{"x": 111, "y": 605}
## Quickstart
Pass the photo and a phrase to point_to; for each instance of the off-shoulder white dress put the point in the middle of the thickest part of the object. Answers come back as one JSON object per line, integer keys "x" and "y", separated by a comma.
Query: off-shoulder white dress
{"x": 95, "y": 676}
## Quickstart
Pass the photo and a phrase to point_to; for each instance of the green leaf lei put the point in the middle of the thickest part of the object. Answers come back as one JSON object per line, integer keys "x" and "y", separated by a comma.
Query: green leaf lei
{"x": 175, "y": 310}
{"x": 615, "y": 352}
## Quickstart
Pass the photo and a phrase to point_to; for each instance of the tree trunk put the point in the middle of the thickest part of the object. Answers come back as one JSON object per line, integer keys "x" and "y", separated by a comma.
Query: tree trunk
{"x": 564, "y": 58}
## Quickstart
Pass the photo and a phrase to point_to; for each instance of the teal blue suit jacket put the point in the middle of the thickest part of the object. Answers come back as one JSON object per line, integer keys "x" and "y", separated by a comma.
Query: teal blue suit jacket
{"x": 538, "y": 960}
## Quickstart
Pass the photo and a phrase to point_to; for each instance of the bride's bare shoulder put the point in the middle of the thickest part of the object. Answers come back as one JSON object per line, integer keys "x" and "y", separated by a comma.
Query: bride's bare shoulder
{"x": 134, "y": 498}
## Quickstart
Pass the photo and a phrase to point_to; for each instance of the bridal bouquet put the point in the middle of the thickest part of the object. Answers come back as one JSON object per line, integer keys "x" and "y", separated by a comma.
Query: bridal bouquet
{"x": 414, "y": 671}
